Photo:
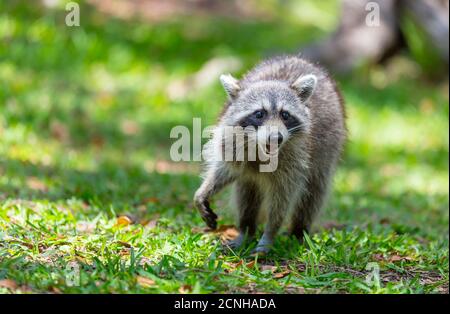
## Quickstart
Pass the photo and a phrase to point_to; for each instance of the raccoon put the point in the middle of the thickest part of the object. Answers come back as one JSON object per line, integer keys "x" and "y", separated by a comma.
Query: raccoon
{"x": 302, "y": 103}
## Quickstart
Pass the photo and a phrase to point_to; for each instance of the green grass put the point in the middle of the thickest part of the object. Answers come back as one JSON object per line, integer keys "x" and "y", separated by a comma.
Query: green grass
{"x": 85, "y": 116}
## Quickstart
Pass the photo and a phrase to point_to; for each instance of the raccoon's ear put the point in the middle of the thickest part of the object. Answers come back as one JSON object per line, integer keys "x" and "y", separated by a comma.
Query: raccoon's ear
{"x": 305, "y": 85}
{"x": 230, "y": 84}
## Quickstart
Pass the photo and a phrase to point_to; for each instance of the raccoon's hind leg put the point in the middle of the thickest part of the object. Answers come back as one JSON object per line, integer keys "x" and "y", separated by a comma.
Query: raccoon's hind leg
{"x": 248, "y": 201}
{"x": 307, "y": 207}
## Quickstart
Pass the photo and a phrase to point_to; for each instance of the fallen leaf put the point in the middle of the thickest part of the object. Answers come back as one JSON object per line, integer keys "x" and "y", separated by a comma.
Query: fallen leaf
{"x": 123, "y": 243}
{"x": 145, "y": 282}
{"x": 8, "y": 283}
{"x": 124, "y": 252}
{"x": 123, "y": 221}
{"x": 397, "y": 258}
{"x": 185, "y": 289}
{"x": 150, "y": 223}
{"x": 233, "y": 266}
{"x": 268, "y": 267}
{"x": 236, "y": 265}
{"x": 281, "y": 274}
{"x": 150, "y": 200}
{"x": 393, "y": 258}
{"x": 408, "y": 258}
{"x": 378, "y": 257}
{"x": 227, "y": 232}
{"x": 223, "y": 228}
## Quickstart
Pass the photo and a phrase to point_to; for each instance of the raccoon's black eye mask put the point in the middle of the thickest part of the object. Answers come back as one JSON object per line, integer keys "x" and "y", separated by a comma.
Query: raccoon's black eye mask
{"x": 292, "y": 123}
{"x": 254, "y": 119}
{"x": 258, "y": 118}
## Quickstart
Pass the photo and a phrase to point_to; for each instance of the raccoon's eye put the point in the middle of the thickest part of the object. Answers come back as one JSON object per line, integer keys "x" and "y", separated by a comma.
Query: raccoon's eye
{"x": 259, "y": 114}
{"x": 285, "y": 115}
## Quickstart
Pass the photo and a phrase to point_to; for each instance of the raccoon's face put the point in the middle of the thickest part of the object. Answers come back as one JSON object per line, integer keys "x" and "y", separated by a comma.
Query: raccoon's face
{"x": 276, "y": 111}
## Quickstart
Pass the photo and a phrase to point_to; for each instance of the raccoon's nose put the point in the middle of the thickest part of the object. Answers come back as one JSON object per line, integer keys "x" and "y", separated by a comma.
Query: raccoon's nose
{"x": 276, "y": 137}
{"x": 280, "y": 138}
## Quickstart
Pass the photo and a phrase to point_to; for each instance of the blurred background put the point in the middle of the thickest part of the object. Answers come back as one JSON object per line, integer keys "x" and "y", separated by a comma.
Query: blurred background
{"x": 86, "y": 111}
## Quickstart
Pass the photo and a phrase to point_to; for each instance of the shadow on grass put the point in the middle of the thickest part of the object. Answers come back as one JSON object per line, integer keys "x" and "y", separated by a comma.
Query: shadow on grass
{"x": 110, "y": 184}
{"x": 128, "y": 187}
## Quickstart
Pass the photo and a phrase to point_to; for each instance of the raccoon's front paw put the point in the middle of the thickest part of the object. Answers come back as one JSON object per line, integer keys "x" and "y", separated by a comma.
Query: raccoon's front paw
{"x": 264, "y": 245}
{"x": 206, "y": 212}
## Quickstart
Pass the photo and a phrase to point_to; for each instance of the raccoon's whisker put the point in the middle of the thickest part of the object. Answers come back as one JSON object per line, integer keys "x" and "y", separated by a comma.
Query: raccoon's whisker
{"x": 295, "y": 128}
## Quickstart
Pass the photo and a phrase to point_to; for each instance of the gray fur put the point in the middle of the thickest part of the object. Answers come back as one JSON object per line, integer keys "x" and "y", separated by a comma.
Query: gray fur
{"x": 296, "y": 190}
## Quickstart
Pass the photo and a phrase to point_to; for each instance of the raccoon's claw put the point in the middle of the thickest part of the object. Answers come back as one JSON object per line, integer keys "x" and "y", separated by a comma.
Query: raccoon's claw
{"x": 211, "y": 222}
{"x": 207, "y": 214}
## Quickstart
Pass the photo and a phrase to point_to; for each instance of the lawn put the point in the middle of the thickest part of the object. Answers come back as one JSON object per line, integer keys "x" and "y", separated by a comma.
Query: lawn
{"x": 91, "y": 203}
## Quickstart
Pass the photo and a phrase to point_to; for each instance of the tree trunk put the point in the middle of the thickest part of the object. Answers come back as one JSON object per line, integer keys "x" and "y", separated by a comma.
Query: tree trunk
{"x": 369, "y": 32}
